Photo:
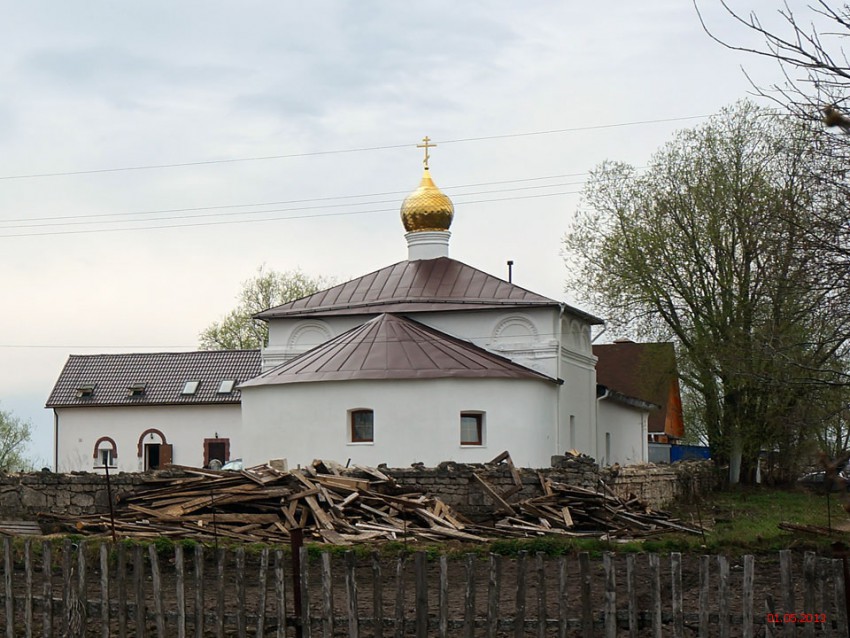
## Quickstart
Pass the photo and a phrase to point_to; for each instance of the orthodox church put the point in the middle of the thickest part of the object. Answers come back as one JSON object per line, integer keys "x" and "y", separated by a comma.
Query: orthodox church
{"x": 426, "y": 360}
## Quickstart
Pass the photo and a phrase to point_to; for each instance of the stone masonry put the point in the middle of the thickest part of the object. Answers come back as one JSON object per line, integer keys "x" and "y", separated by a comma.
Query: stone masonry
{"x": 23, "y": 496}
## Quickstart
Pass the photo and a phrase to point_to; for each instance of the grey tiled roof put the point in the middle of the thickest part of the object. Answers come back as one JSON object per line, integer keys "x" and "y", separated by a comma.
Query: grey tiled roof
{"x": 417, "y": 286}
{"x": 395, "y": 347}
{"x": 163, "y": 375}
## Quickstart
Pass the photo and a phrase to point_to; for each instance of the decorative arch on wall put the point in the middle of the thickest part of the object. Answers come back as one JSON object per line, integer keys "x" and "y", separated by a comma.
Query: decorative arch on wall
{"x": 146, "y": 433}
{"x": 300, "y": 337}
{"x": 112, "y": 446}
{"x": 579, "y": 335}
{"x": 515, "y": 329}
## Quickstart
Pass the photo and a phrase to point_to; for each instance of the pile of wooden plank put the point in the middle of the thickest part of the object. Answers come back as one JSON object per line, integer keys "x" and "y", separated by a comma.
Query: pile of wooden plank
{"x": 262, "y": 504}
{"x": 575, "y": 511}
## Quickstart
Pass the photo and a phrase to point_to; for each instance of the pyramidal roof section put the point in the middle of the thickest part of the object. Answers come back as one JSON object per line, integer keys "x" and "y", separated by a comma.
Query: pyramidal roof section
{"x": 424, "y": 285}
{"x": 394, "y": 347}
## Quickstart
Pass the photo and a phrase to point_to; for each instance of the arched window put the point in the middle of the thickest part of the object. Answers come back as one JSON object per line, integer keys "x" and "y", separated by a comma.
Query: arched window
{"x": 105, "y": 452}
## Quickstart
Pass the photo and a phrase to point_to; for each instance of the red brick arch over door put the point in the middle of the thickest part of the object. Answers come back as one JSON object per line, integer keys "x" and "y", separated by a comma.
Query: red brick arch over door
{"x": 146, "y": 433}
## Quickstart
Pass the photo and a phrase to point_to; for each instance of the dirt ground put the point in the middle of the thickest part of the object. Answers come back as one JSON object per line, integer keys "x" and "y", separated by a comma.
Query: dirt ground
{"x": 766, "y": 582}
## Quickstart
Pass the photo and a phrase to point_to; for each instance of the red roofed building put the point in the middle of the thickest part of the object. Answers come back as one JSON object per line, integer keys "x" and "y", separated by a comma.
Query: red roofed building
{"x": 645, "y": 371}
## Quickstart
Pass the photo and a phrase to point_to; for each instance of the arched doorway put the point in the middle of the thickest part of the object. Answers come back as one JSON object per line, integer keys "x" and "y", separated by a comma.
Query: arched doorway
{"x": 154, "y": 451}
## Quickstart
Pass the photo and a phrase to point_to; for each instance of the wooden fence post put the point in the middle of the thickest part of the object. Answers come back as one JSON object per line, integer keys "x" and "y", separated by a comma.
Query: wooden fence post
{"x": 420, "y": 579}
{"x": 655, "y": 586}
{"x": 304, "y": 577}
{"x": 469, "y": 598}
{"x": 8, "y": 568}
{"x": 676, "y": 590}
{"x": 199, "y": 591}
{"x": 786, "y": 584}
{"x": 104, "y": 589}
{"x": 47, "y": 572}
{"x": 180, "y": 590}
{"x": 280, "y": 593}
{"x": 241, "y": 629}
{"x": 584, "y": 579}
{"x": 632, "y": 593}
{"x": 610, "y": 596}
{"x": 519, "y": 616}
{"x": 328, "y": 596}
{"x": 704, "y": 585}
{"x": 399, "y": 598}
{"x": 28, "y": 584}
{"x": 444, "y": 597}
{"x": 156, "y": 581}
{"x": 262, "y": 593}
{"x": 351, "y": 589}
{"x": 723, "y": 595}
{"x": 493, "y": 589}
{"x": 747, "y": 596}
{"x": 377, "y": 596}
{"x": 563, "y": 610}
{"x": 541, "y": 596}
{"x": 139, "y": 586}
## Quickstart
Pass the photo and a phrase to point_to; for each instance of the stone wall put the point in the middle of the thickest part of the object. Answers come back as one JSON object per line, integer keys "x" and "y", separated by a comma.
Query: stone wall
{"x": 657, "y": 485}
{"x": 22, "y": 496}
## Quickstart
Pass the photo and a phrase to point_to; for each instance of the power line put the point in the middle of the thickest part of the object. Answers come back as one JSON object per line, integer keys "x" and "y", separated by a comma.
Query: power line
{"x": 277, "y": 210}
{"x": 270, "y": 219}
{"x": 364, "y": 149}
{"x": 277, "y": 203}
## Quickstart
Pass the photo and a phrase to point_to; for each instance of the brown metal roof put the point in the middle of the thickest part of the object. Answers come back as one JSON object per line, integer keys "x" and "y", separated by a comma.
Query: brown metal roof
{"x": 161, "y": 374}
{"x": 423, "y": 285}
{"x": 645, "y": 371}
{"x": 394, "y": 347}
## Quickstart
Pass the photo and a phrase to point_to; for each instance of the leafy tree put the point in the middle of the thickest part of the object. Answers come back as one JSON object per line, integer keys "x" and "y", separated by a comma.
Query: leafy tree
{"x": 268, "y": 288}
{"x": 711, "y": 246}
{"x": 15, "y": 433}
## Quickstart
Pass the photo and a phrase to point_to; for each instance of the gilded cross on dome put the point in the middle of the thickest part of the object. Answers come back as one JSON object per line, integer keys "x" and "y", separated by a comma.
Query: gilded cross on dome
{"x": 426, "y": 146}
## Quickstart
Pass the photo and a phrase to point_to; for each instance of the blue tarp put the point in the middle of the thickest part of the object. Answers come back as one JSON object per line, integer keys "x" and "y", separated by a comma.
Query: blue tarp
{"x": 688, "y": 453}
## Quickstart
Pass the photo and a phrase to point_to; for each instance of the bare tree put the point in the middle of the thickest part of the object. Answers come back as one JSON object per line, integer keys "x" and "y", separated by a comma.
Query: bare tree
{"x": 810, "y": 53}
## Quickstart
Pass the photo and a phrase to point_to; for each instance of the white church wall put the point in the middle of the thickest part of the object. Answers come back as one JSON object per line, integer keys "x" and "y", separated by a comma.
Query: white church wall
{"x": 290, "y": 337}
{"x": 414, "y": 421}
{"x": 185, "y": 427}
{"x": 521, "y": 335}
{"x": 621, "y": 434}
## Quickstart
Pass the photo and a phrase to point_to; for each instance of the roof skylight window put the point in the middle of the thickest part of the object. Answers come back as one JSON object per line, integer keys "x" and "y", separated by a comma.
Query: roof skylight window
{"x": 226, "y": 386}
{"x": 85, "y": 391}
{"x": 190, "y": 387}
{"x": 135, "y": 390}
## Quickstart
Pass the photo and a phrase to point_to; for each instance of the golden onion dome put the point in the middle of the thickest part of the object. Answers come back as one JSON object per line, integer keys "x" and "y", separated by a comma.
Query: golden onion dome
{"x": 427, "y": 208}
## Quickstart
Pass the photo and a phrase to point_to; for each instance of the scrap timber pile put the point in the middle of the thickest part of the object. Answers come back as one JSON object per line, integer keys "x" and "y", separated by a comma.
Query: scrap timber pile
{"x": 262, "y": 504}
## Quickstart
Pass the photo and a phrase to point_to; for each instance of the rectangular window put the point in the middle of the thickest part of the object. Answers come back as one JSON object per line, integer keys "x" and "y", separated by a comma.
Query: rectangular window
{"x": 362, "y": 426}
{"x": 106, "y": 457}
{"x": 471, "y": 428}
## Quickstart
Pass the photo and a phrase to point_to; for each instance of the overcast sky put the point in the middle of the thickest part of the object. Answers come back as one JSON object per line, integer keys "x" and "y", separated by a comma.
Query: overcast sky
{"x": 96, "y": 260}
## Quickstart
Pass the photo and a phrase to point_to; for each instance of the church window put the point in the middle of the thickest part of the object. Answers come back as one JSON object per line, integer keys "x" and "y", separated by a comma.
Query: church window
{"x": 472, "y": 428}
{"x": 362, "y": 426}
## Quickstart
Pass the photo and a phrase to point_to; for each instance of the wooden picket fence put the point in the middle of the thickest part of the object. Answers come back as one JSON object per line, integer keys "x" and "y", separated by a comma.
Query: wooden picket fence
{"x": 122, "y": 590}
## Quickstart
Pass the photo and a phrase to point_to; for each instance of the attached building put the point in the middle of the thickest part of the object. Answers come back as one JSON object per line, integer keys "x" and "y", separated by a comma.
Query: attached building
{"x": 134, "y": 412}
